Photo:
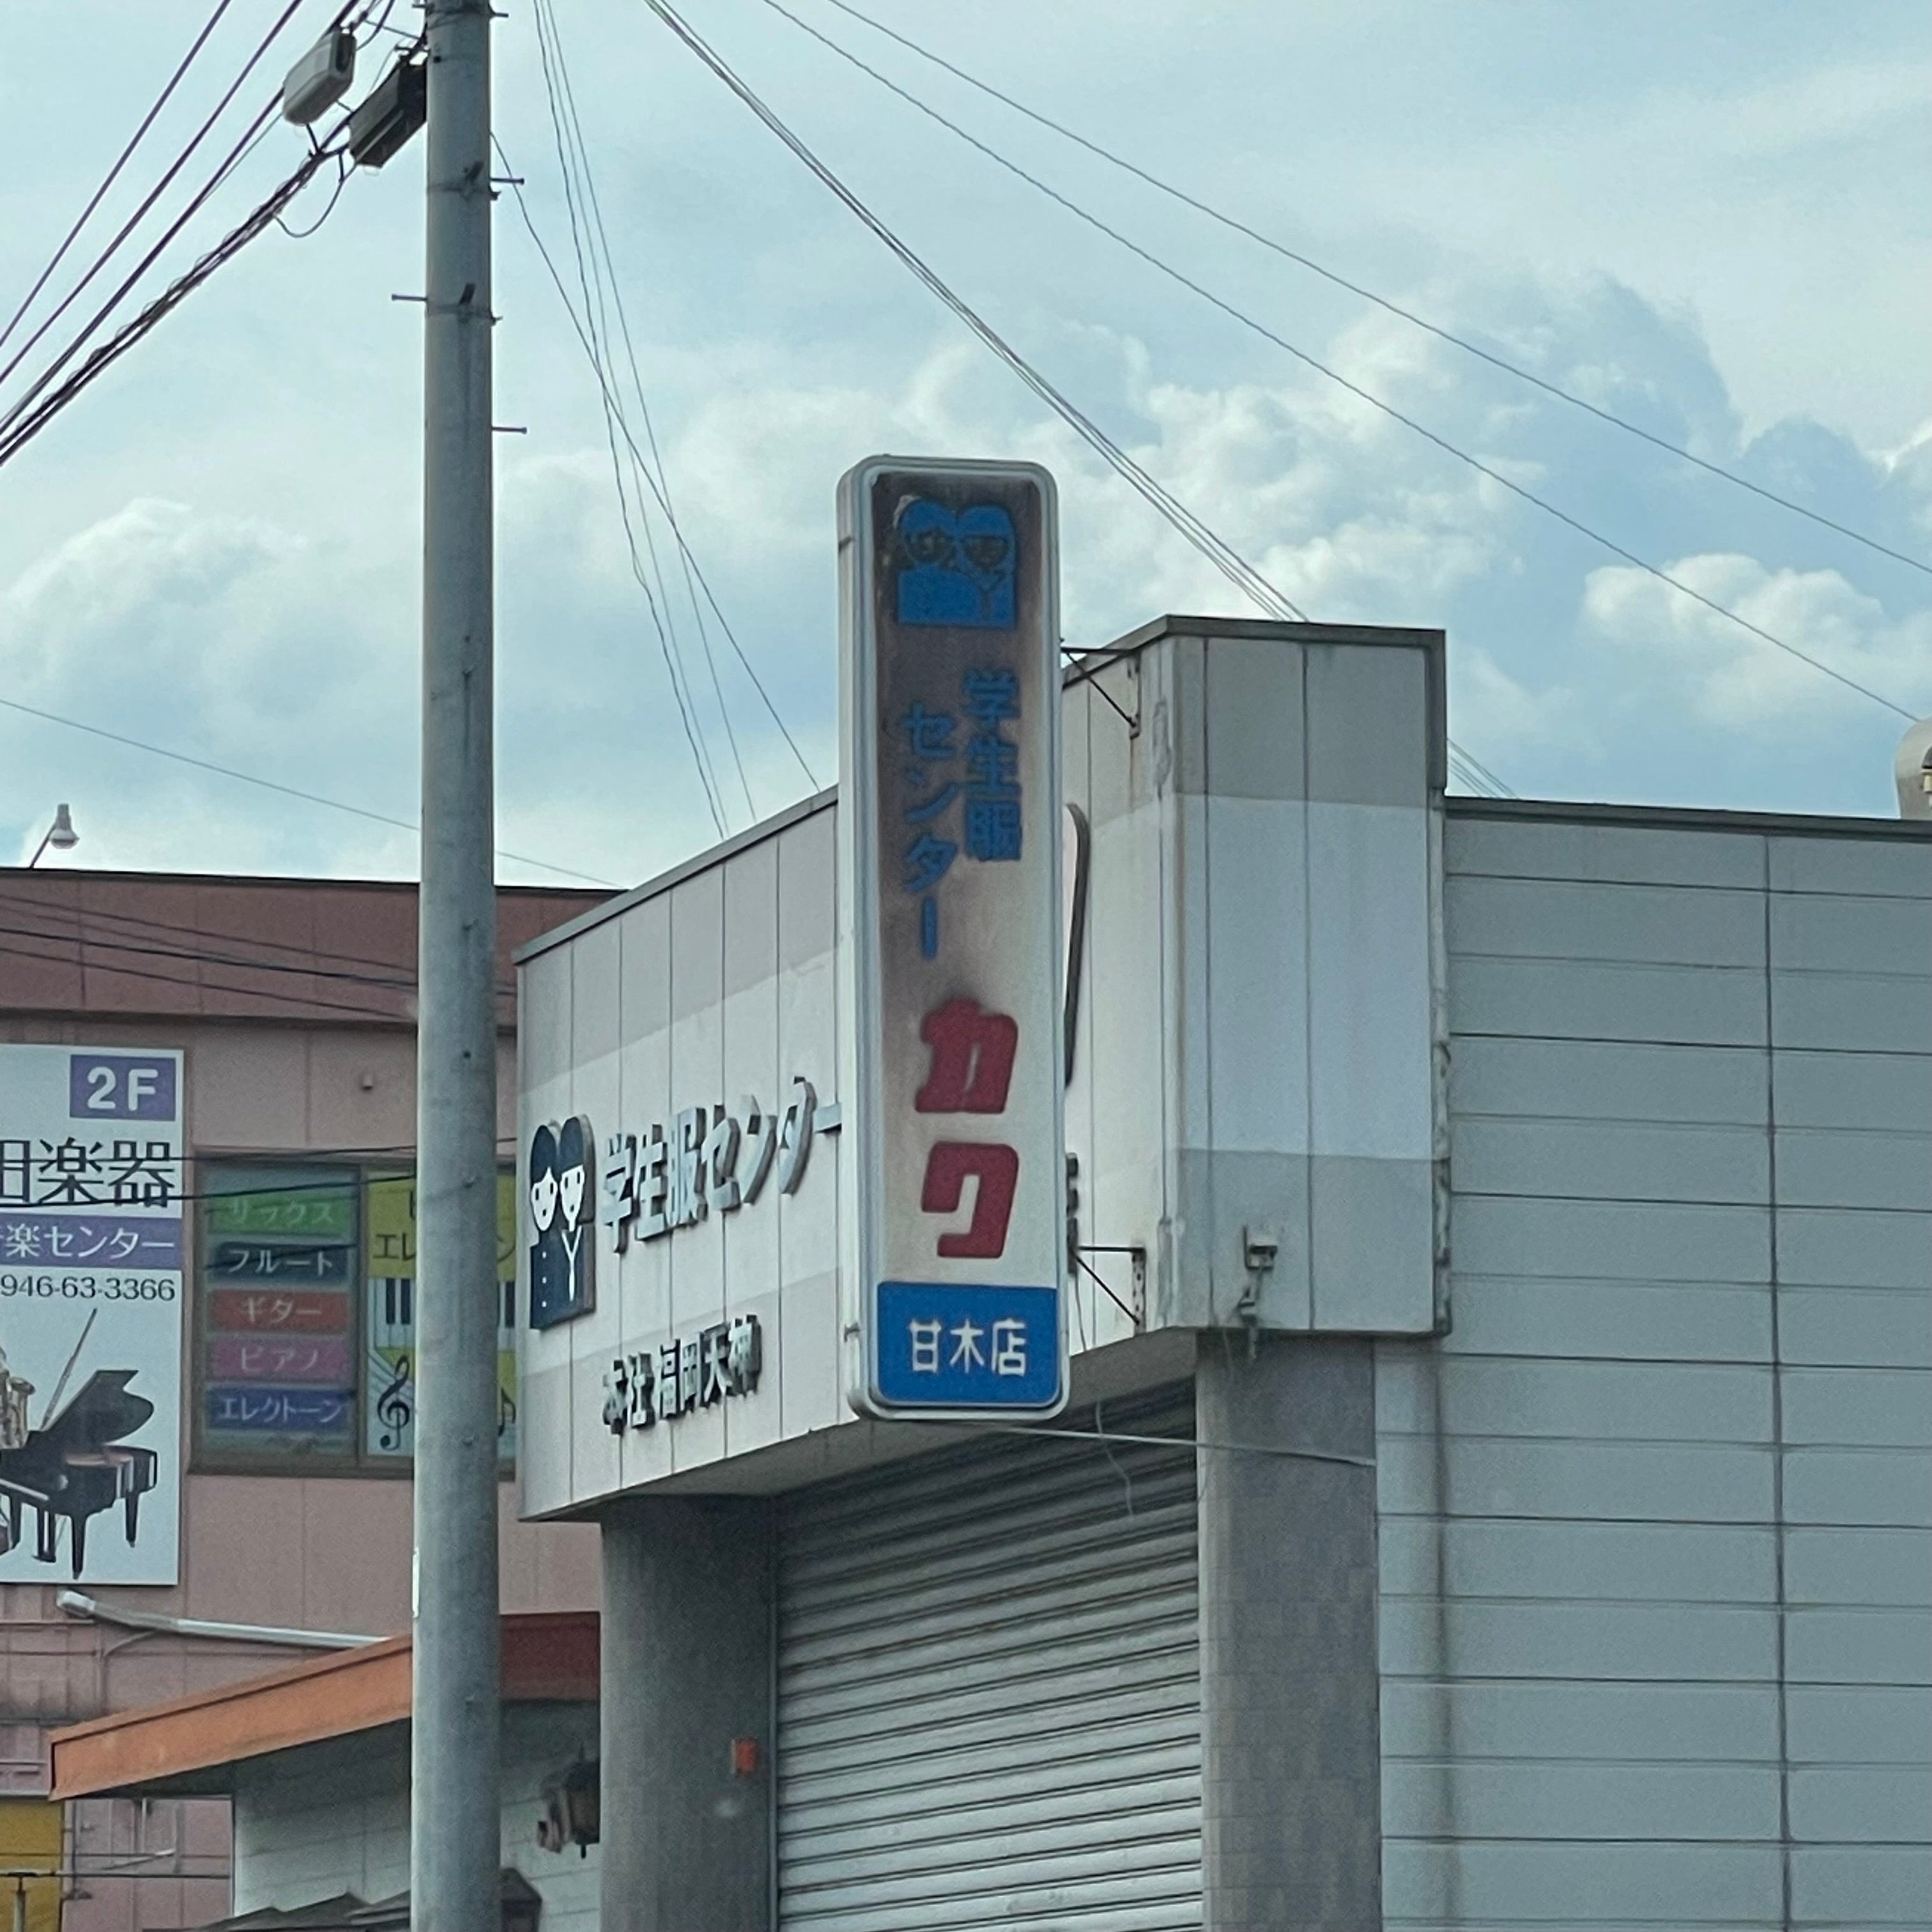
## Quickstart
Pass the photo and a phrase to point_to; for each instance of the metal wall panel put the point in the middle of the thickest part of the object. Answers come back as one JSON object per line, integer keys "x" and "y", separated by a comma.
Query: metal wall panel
{"x": 988, "y": 1690}
{"x": 1657, "y": 1512}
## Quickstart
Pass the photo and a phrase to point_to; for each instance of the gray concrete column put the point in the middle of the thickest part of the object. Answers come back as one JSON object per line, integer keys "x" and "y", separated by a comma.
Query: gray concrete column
{"x": 685, "y": 1840}
{"x": 1290, "y": 1694}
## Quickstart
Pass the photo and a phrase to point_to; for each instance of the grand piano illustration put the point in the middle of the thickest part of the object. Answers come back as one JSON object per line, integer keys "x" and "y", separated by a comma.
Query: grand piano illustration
{"x": 76, "y": 1464}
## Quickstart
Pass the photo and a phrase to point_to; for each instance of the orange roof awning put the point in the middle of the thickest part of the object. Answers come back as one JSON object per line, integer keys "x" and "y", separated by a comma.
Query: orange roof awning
{"x": 189, "y": 1743}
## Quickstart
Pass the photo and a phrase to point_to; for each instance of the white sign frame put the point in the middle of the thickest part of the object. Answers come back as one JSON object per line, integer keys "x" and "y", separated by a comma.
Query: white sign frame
{"x": 922, "y": 1158}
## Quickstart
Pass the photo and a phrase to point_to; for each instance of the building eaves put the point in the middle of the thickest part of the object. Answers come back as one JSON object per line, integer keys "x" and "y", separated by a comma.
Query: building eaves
{"x": 189, "y": 1744}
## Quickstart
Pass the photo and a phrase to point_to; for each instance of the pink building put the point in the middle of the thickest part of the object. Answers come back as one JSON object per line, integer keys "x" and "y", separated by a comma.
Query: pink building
{"x": 262, "y": 1034}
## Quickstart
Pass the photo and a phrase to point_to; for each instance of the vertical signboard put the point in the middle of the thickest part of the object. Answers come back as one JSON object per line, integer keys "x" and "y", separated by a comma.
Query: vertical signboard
{"x": 950, "y": 800}
{"x": 389, "y": 1325}
{"x": 90, "y": 1314}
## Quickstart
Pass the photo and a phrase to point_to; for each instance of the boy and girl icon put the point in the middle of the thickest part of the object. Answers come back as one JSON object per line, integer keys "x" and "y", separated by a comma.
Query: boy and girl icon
{"x": 956, "y": 567}
{"x": 563, "y": 1204}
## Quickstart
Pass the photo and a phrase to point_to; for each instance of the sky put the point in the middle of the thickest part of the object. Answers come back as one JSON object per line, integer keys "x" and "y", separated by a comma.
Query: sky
{"x": 1710, "y": 220}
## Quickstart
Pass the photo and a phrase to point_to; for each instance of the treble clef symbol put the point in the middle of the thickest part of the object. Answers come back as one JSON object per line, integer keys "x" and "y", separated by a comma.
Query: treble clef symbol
{"x": 393, "y": 1410}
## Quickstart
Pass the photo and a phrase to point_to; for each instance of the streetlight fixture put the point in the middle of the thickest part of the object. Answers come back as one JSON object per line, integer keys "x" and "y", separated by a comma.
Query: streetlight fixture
{"x": 61, "y": 836}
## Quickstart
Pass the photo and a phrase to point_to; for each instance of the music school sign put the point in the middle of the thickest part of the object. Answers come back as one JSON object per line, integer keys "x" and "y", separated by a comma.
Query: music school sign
{"x": 91, "y": 1226}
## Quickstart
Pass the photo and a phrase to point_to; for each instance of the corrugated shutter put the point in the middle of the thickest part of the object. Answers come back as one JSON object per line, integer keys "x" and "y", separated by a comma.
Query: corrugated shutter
{"x": 988, "y": 1697}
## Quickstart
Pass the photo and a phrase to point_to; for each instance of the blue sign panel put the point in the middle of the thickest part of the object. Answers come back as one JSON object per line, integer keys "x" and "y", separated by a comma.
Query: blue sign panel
{"x": 103, "y": 1241}
{"x": 279, "y": 1411}
{"x": 948, "y": 1346}
{"x": 122, "y": 1087}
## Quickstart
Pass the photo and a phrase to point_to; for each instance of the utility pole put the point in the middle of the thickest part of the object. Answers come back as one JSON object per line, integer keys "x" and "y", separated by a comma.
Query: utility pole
{"x": 453, "y": 1836}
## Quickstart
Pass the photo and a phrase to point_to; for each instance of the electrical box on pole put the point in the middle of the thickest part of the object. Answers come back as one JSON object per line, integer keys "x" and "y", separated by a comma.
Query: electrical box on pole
{"x": 397, "y": 106}
{"x": 320, "y": 78}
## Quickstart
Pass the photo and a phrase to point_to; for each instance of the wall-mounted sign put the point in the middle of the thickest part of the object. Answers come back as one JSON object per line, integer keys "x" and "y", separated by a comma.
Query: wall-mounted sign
{"x": 90, "y": 1314}
{"x": 279, "y": 1274}
{"x": 648, "y": 1386}
{"x": 707, "y": 1160}
{"x": 950, "y": 803}
{"x": 389, "y": 1317}
{"x": 563, "y": 1252}
{"x": 674, "y": 1174}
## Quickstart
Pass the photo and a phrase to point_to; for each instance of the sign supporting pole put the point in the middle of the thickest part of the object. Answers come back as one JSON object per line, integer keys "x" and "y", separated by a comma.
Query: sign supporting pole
{"x": 454, "y": 1838}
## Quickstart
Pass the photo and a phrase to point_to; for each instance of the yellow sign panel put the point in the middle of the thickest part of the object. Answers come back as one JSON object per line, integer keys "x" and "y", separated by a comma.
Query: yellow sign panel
{"x": 389, "y": 1219}
{"x": 30, "y": 1841}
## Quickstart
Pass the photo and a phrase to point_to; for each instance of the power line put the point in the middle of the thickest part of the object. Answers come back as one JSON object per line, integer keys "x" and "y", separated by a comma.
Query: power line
{"x": 684, "y": 548}
{"x": 663, "y": 475}
{"x": 153, "y": 194}
{"x": 350, "y": 1181}
{"x": 363, "y": 1011}
{"x": 658, "y": 605}
{"x": 113, "y": 173}
{"x": 274, "y": 785}
{"x": 23, "y": 431}
{"x": 143, "y": 927}
{"x": 1230, "y": 222}
{"x": 20, "y": 425}
{"x": 1224, "y": 557}
{"x": 139, "y": 949}
{"x": 1476, "y": 775}
{"x": 335, "y": 195}
{"x": 1232, "y": 565}
{"x": 1355, "y": 388}
{"x": 147, "y": 947}
{"x": 659, "y": 482}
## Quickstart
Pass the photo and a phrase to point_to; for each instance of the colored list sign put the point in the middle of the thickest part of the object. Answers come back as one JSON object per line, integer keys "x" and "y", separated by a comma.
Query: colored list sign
{"x": 950, "y": 684}
{"x": 388, "y": 1426}
{"x": 278, "y": 1258}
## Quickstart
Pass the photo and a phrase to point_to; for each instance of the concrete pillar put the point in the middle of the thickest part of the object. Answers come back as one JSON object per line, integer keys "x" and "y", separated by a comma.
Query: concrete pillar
{"x": 686, "y": 1839}
{"x": 1290, "y": 1696}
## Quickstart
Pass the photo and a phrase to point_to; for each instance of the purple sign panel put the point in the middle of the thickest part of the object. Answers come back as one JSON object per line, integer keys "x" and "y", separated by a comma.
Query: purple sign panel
{"x": 282, "y": 1358}
{"x": 121, "y": 1087}
{"x": 89, "y": 1241}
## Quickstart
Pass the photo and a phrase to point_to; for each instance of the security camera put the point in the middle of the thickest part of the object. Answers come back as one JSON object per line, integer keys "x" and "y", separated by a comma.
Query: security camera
{"x": 320, "y": 78}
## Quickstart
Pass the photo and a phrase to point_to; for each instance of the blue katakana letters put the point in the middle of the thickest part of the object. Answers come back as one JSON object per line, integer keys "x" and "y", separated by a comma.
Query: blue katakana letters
{"x": 928, "y": 860}
{"x": 929, "y": 735}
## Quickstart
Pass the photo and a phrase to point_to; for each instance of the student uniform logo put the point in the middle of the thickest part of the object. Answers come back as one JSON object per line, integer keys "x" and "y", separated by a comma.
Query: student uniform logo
{"x": 563, "y": 1247}
{"x": 955, "y": 568}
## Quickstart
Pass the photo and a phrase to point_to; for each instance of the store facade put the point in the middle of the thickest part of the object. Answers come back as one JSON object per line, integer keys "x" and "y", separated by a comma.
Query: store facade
{"x": 1493, "y": 1483}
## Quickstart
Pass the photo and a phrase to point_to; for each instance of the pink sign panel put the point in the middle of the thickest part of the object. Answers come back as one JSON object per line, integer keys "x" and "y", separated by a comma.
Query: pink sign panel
{"x": 281, "y": 1358}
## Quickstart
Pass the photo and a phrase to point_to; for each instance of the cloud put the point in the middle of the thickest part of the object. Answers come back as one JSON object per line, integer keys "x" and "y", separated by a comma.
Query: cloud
{"x": 223, "y": 638}
{"x": 1735, "y": 680}
{"x": 285, "y": 643}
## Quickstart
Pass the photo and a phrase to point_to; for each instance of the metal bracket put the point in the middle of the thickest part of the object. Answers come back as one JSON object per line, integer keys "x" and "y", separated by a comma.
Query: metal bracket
{"x": 1137, "y": 1313}
{"x": 1260, "y": 1247}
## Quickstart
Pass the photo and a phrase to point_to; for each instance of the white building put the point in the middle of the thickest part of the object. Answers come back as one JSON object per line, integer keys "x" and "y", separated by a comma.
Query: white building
{"x": 1523, "y": 1210}
{"x": 1497, "y": 1486}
